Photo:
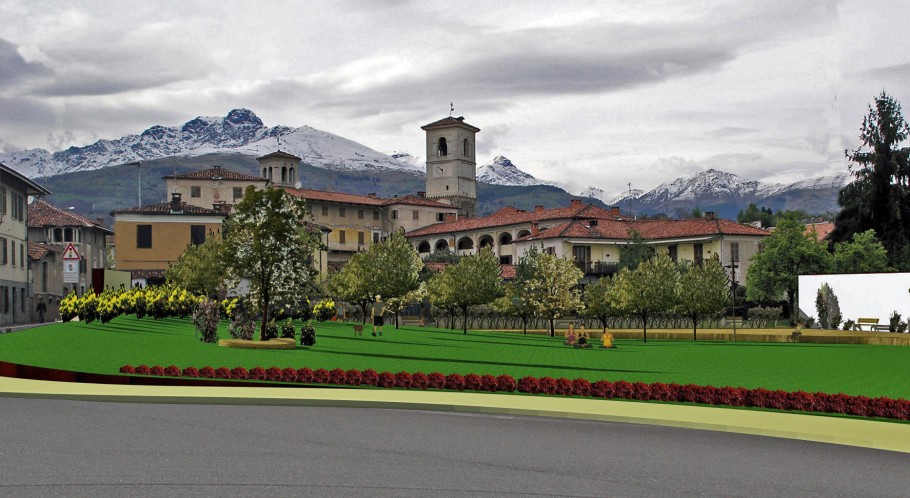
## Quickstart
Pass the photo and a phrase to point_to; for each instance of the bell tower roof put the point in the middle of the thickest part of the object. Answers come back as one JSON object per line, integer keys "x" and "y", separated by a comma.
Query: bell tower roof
{"x": 449, "y": 122}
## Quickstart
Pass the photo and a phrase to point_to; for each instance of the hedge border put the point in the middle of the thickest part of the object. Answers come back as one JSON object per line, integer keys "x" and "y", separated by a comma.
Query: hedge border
{"x": 861, "y": 406}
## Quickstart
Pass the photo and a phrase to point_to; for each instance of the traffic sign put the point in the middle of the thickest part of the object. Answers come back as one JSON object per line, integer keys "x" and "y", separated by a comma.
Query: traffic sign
{"x": 70, "y": 253}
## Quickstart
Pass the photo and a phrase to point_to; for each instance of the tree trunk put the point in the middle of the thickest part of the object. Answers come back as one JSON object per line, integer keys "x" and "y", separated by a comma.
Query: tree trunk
{"x": 452, "y": 319}
{"x": 694, "y": 326}
{"x": 644, "y": 323}
{"x": 265, "y": 314}
{"x": 396, "y": 320}
{"x": 552, "y": 327}
{"x": 794, "y": 315}
{"x": 524, "y": 324}
{"x": 464, "y": 322}
{"x": 363, "y": 307}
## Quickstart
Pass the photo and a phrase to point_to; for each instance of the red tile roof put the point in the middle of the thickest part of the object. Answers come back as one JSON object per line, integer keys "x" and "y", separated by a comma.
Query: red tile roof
{"x": 322, "y": 195}
{"x": 512, "y": 216}
{"x": 216, "y": 173}
{"x": 417, "y": 201}
{"x": 822, "y": 229}
{"x": 279, "y": 154}
{"x": 449, "y": 121}
{"x": 165, "y": 208}
{"x": 42, "y": 214}
{"x": 648, "y": 229}
{"x": 37, "y": 251}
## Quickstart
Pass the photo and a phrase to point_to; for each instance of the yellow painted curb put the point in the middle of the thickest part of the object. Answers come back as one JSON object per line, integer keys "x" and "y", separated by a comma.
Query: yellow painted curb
{"x": 838, "y": 430}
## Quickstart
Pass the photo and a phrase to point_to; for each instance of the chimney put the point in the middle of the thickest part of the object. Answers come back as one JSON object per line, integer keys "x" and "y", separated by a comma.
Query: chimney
{"x": 449, "y": 217}
{"x": 372, "y": 195}
{"x": 176, "y": 204}
{"x": 99, "y": 221}
{"x": 575, "y": 203}
{"x": 421, "y": 194}
{"x": 535, "y": 229}
{"x": 538, "y": 208}
{"x": 709, "y": 215}
{"x": 614, "y": 210}
{"x": 222, "y": 207}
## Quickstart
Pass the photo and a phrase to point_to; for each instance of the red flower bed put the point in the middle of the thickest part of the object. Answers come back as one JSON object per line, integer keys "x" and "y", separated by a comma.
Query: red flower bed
{"x": 861, "y": 406}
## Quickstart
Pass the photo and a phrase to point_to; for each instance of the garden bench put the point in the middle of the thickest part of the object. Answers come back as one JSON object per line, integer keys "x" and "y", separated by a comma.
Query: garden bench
{"x": 872, "y": 323}
{"x": 411, "y": 321}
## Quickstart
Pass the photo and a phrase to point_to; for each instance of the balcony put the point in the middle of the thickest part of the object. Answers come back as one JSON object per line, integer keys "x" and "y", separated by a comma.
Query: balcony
{"x": 597, "y": 267}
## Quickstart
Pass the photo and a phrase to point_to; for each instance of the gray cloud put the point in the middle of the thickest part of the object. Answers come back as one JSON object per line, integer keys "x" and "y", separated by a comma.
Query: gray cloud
{"x": 14, "y": 69}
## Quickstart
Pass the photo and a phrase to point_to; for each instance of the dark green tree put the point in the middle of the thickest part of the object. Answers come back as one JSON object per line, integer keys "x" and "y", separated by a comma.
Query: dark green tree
{"x": 863, "y": 254}
{"x": 879, "y": 197}
{"x": 634, "y": 252}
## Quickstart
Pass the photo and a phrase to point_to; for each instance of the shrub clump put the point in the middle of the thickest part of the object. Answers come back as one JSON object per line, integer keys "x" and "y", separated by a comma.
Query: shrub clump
{"x": 206, "y": 318}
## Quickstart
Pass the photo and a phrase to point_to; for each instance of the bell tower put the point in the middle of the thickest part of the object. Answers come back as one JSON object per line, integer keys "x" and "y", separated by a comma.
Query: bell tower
{"x": 452, "y": 164}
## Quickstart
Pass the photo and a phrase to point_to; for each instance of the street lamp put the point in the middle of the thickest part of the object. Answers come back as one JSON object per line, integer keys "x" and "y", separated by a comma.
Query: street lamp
{"x": 732, "y": 267}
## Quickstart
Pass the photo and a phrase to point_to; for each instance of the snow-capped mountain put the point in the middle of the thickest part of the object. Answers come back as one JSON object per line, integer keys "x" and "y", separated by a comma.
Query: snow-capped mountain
{"x": 503, "y": 172}
{"x": 241, "y": 131}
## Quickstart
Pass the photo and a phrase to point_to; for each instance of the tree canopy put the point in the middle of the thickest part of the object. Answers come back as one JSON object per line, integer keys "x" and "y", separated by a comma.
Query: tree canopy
{"x": 879, "y": 197}
{"x": 701, "y": 290}
{"x": 201, "y": 268}
{"x": 648, "y": 289}
{"x": 268, "y": 244}
{"x": 473, "y": 281}
{"x": 863, "y": 254}
{"x": 551, "y": 288}
{"x": 786, "y": 254}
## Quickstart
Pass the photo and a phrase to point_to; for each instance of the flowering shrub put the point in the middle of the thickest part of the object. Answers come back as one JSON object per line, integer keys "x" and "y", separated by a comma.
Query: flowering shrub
{"x": 436, "y": 380}
{"x": 287, "y": 329}
{"x": 242, "y": 327}
{"x": 273, "y": 374}
{"x": 206, "y": 318}
{"x": 228, "y": 307}
{"x": 307, "y": 334}
{"x": 271, "y": 331}
{"x": 337, "y": 376}
{"x": 386, "y": 379}
{"x": 324, "y": 310}
{"x": 321, "y": 376}
{"x": 861, "y": 406}
{"x": 257, "y": 373}
{"x": 69, "y": 307}
{"x": 289, "y": 375}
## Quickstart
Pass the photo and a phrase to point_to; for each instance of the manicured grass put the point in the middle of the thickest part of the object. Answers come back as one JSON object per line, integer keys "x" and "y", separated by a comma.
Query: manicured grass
{"x": 104, "y": 348}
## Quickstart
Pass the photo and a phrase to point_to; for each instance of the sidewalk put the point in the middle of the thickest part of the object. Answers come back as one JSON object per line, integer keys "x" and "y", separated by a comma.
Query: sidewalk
{"x": 892, "y": 436}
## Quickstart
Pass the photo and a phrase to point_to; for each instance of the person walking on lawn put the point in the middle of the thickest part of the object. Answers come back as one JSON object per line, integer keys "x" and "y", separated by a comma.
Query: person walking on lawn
{"x": 378, "y": 310}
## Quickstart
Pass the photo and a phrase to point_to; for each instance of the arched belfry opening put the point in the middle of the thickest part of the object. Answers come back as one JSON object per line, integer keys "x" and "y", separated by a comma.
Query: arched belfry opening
{"x": 442, "y": 149}
{"x": 465, "y": 149}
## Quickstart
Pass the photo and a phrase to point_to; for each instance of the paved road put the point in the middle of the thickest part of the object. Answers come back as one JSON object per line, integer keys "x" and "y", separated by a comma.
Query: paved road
{"x": 75, "y": 448}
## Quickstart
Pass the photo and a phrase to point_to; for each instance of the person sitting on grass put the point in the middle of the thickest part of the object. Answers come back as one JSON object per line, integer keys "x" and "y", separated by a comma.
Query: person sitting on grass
{"x": 607, "y": 339}
{"x": 570, "y": 335}
{"x": 582, "y": 339}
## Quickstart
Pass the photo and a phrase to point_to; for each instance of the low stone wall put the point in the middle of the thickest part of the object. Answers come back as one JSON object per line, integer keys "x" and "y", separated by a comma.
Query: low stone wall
{"x": 269, "y": 344}
{"x": 748, "y": 335}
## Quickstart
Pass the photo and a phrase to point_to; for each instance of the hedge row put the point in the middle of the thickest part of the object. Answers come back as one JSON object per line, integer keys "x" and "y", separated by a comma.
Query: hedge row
{"x": 730, "y": 396}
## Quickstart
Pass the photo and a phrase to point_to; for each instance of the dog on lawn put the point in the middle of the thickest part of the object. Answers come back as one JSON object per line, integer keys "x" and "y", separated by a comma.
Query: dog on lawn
{"x": 358, "y": 330}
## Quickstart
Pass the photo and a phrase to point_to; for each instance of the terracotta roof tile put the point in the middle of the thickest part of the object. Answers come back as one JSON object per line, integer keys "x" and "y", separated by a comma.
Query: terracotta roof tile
{"x": 216, "y": 173}
{"x": 648, "y": 229}
{"x": 511, "y": 216}
{"x": 822, "y": 229}
{"x": 42, "y": 214}
{"x": 37, "y": 251}
{"x": 165, "y": 208}
{"x": 416, "y": 201}
{"x": 322, "y": 195}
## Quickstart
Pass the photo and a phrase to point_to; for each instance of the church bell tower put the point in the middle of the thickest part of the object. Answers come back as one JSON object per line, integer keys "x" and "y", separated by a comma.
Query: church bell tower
{"x": 452, "y": 164}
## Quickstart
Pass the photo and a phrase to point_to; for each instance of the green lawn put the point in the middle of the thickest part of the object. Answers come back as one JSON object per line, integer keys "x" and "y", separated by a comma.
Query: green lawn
{"x": 103, "y": 348}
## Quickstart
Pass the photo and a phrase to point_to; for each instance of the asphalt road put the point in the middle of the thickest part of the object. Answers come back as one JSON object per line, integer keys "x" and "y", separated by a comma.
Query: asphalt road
{"x": 75, "y": 448}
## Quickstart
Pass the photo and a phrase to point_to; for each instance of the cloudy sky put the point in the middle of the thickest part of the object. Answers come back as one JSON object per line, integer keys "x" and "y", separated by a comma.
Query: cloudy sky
{"x": 602, "y": 92}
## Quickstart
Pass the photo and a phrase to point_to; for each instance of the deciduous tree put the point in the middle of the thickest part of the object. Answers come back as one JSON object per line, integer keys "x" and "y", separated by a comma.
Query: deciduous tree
{"x": 701, "y": 289}
{"x": 200, "y": 269}
{"x": 552, "y": 289}
{"x": 475, "y": 280}
{"x": 863, "y": 254}
{"x": 649, "y": 289}
{"x": 602, "y": 300}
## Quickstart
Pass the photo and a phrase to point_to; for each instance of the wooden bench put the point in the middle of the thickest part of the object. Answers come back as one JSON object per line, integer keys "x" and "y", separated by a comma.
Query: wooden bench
{"x": 872, "y": 323}
{"x": 411, "y": 321}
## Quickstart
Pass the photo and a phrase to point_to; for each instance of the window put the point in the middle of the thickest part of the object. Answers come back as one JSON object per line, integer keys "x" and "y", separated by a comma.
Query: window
{"x": 58, "y": 235}
{"x": 44, "y": 276}
{"x": 341, "y": 212}
{"x": 195, "y": 192}
{"x": 284, "y": 174}
{"x": 325, "y": 210}
{"x": 197, "y": 234}
{"x": 238, "y": 192}
{"x": 734, "y": 251}
{"x": 2, "y": 201}
{"x": 699, "y": 254}
{"x": 68, "y": 235}
{"x": 466, "y": 148}
{"x": 143, "y": 236}
{"x": 360, "y": 214}
{"x": 394, "y": 214}
{"x": 22, "y": 300}
{"x": 360, "y": 238}
{"x": 442, "y": 148}
{"x": 375, "y": 237}
{"x": 375, "y": 215}
{"x": 673, "y": 253}
{"x": 4, "y": 290}
{"x": 440, "y": 217}
{"x": 22, "y": 255}
{"x": 416, "y": 214}
{"x": 550, "y": 250}
{"x": 3, "y": 256}
{"x": 341, "y": 237}
{"x": 291, "y": 177}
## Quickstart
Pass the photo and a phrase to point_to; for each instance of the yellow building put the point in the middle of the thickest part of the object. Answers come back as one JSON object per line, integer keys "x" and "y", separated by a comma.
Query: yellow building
{"x": 150, "y": 238}
{"x": 213, "y": 187}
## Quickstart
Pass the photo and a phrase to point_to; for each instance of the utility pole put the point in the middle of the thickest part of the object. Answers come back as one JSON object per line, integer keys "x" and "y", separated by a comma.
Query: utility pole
{"x": 732, "y": 268}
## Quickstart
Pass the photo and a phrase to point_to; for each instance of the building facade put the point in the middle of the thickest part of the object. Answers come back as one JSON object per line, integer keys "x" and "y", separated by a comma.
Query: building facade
{"x": 452, "y": 164}
{"x": 50, "y": 225}
{"x": 213, "y": 187}
{"x": 15, "y": 288}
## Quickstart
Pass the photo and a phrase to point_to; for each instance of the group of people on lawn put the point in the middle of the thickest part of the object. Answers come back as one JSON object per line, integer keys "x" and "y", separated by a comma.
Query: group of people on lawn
{"x": 580, "y": 338}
